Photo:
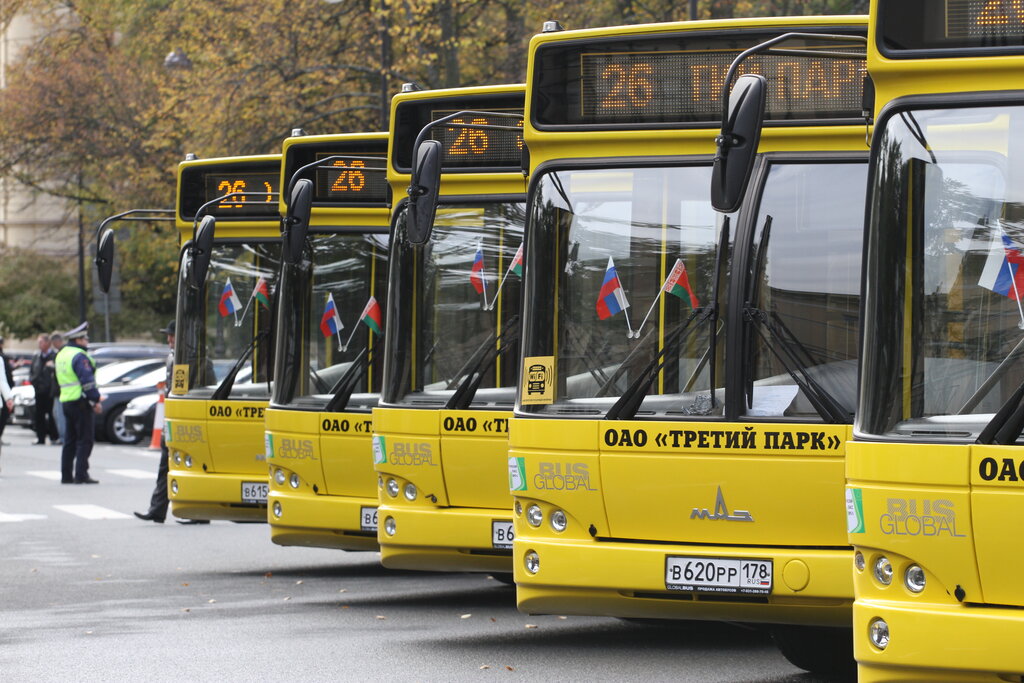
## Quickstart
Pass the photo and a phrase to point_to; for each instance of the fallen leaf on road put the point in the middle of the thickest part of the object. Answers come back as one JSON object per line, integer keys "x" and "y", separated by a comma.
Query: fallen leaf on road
{"x": 379, "y": 616}
{"x": 563, "y": 617}
{"x": 344, "y": 607}
{"x": 186, "y": 610}
{"x": 465, "y": 616}
{"x": 268, "y": 575}
{"x": 298, "y": 583}
{"x": 88, "y": 632}
{"x": 343, "y": 590}
{"x": 95, "y": 557}
{"x": 184, "y": 584}
{"x": 493, "y": 619}
{"x": 288, "y": 597}
{"x": 510, "y": 668}
{"x": 211, "y": 601}
{"x": 486, "y": 666}
{"x": 531, "y": 626}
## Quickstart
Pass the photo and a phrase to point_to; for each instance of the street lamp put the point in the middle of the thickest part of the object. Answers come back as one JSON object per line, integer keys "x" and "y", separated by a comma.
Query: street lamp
{"x": 177, "y": 59}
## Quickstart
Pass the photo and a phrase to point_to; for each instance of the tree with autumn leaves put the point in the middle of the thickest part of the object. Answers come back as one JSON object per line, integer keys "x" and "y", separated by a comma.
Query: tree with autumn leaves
{"x": 94, "y": 111}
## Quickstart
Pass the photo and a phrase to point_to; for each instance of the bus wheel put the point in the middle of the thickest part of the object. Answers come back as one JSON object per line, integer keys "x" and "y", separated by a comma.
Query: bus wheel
{"x": 818, "y": 649}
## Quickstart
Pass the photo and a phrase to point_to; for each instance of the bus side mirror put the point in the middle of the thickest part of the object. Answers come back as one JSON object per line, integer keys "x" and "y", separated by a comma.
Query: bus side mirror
{"x": 737, "y": 142}
{"x": 105, "y": 259}
{"x": 201, "y": 251}
{"x": 423, "y": 190}
{"x": 300, "y": 205}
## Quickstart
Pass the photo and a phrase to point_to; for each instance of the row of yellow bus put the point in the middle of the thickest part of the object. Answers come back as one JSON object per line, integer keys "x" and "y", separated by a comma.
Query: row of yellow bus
{"x": 644, "y": 347}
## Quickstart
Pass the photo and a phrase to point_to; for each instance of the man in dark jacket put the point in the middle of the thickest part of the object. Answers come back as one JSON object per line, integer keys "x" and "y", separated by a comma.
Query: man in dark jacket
{"x": 43, "y": 379}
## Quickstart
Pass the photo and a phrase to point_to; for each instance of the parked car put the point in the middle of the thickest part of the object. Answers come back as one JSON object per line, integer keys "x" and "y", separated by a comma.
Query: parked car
{"x": 114, "y": 374}
{"x": 110, "y": 422}
{"x": 105, "y": 353}
{"x": 140, "y": 412}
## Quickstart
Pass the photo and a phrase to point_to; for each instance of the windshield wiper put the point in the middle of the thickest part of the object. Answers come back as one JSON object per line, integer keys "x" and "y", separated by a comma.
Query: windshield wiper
{"x": 344, "y": 388}
{"x": 629, "y": 403}
{"x": 488, "y": 353}
{"x": 223, "y": 390}
{"x": 993, "y": 379}
{"x": 793, "y": 355}
{"x": 1008, "y": 422}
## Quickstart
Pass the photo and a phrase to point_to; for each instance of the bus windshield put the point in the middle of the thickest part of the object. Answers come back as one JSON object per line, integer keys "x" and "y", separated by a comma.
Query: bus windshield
{"x": 457, "y": 304}
{"x": 605, "y": 241}
{"x": 944, "y": 323}
{"x": 222, "y": 319}
{"x": 335, "y": 297}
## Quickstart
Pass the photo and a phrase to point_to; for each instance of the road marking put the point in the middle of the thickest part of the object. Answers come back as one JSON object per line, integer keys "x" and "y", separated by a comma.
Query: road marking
{"x": 133, "y": 474}
{"x": 91, "y": 512}
{"x": 52, "y": 475}
{"x": 11, "y": 517}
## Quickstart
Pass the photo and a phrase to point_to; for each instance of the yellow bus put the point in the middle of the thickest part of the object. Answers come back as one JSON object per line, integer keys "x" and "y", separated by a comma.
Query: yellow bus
{"x": 935, "y": 475}
{"x": 688, "y": 379}
{"x": 440, "y": 431}
{"x": 223, "y": 355}
{"x": 327, "y": 367}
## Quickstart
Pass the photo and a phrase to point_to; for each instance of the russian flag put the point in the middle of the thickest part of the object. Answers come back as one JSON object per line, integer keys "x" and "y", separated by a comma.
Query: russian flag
{"x": 1003, "y": 273}
{"x": 476, "y": 273}
{"x": 612, "y": 298}
{"x": 330, "y": 321}
{"x": 229, "y": 302}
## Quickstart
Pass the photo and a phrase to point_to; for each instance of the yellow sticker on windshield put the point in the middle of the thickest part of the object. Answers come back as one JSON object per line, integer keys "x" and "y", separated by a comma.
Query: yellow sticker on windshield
{"x": 179, "y": 380}
{"x": 538, "y": 380}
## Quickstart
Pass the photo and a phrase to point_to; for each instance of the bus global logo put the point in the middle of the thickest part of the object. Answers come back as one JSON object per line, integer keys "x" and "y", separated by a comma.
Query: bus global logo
{"x": 721, "y": 511}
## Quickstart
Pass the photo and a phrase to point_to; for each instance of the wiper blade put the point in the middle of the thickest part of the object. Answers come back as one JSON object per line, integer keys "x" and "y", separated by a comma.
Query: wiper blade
{"x": 1008, "y": 422}
{"x": 492, "y": 349}
{"x": 223, "y": 390}
{"x": 788, "y": 349}
{"x": 344, "y": 388}
{"x": 629, "y": 403}
{"x": 993, "y": 379}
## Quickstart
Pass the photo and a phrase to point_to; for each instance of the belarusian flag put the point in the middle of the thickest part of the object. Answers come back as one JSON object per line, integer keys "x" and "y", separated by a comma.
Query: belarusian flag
{"x": 371, "y": 316}
{"x": 517, "y": 261}
{"x": 262, "y": 293}
{"x": 678, "y": 283}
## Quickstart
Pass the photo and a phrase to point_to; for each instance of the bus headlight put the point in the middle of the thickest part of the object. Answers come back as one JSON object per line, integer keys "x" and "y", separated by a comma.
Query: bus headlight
{"x": 534, "y": 515}
{"x": 177, "y": 458}
{"x": 392, "y": 488}
{"x": 883, "y": 570}
{"x": 878, "y": 632}
{"x": 188, "y": 461}
{"x": 279, "y": 476}
{"x": 277, "y": 509}
{"x": 294, "y": 481}
{"x": 174, "y": 485}
{"x": 559, "y": 520}
{"x": 913, "y": 578}
{"x": 858, "y": 561}
{"x": 409, "y": 492}
{"x": 518, "y": 507}
{"x": 532, "y": 562}
{"x": 389, "y": 525}
{"x": 380, "y": 482}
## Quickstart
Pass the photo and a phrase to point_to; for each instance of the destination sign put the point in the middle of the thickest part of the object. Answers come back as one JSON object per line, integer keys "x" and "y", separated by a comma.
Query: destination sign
{"x": 466, "y": 145}
{"x": 248, "y": 189}
{"x": 987, "y": 25}
{"x": 664, "y": 81}
{"x": 351, "y": 180}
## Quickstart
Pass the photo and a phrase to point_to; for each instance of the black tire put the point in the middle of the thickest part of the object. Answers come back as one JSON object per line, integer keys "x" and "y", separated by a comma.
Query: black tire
{"x": 818, "y": 649}
{"x": 117, "y": 430}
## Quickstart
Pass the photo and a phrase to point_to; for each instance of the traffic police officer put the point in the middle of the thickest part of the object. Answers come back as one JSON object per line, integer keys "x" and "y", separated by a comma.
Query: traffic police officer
{"x": 79, "y": 399}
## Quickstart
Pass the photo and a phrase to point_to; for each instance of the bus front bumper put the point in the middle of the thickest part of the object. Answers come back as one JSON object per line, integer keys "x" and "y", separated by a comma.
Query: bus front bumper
{"x": 442, "y": 539}
{"x": 208, "y": 495}
{"x": 604, "y": 578}
{"x": 940, "y": 643}
{"x": 320, "y": 521}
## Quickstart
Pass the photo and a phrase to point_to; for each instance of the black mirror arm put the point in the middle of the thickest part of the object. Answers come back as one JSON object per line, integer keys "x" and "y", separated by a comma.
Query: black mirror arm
{"x": 200, "y": 212}
{"x": 133, "y": 215}
{"x": 326, "y": 160}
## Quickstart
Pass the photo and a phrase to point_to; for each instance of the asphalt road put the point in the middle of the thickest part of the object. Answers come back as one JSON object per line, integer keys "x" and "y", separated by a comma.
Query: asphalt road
{"x": 89, "y": 593}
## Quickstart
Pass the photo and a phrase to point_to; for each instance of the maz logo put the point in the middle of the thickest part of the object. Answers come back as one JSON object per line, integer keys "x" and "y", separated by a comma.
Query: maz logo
{"x": 721, "y": 511}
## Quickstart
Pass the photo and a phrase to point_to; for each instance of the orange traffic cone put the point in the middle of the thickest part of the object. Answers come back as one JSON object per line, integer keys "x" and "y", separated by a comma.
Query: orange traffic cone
{"x": 158, "y": 424}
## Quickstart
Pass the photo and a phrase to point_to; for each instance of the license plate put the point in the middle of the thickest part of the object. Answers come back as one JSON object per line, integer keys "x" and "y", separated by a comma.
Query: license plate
{"x": 502, "y": 534}
{"x": 718, "y": 575}
{"x": 255, "y": 491}
{"x": 368, "y": 519}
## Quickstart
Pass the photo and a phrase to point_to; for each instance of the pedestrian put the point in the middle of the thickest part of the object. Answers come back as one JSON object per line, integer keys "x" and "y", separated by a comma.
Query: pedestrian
{"x": 80, "y": 400}
{"x": 57, "y": 343}
{"x": 158, "y": 502}
{"x": 5, "y": 394}
{"x": 8, "y": 406}
{"x": 43, "y": 377}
